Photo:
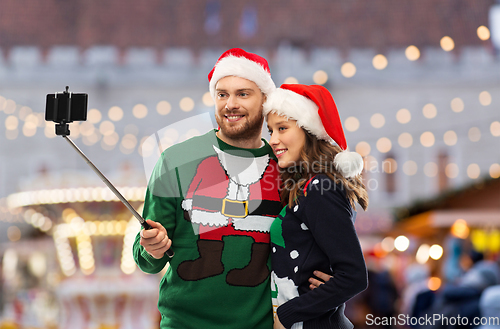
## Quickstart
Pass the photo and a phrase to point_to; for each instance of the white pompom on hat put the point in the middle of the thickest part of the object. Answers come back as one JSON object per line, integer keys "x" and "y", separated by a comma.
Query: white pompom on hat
{"x": 239, "y": 63}
{"x": 314, "y": 110}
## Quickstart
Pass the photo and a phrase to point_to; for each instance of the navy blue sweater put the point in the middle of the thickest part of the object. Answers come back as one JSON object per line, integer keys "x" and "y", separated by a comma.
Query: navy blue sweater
{"x": 317, "y": 233}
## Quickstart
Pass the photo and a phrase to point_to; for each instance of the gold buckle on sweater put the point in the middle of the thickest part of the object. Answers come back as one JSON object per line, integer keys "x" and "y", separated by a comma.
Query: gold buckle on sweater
{"x": 226, "y": 203}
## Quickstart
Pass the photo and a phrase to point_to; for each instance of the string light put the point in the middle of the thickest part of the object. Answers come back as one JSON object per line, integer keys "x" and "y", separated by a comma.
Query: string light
{"x": 140, "y": 111}
{"x": 377, "y": 120}
{"x": 447, "y": 43}
{"x": 405, "y": 140}
{"x": 403, "y": 116}
{"x": 351, "y": 124}
{"x": 115, "y": 113}
{"x": 384, "y": 145}
{"x": 483, "y": 33}
{"x": 320, "y": 77}
{"x": 451, "y": 170}
{"x": 379, "y": 62}
{"x": 431, "y": 169}
{"x": 291, "y": 80}
{"x": 473, "y": 171}
{"x": 186, "y": 104}
{"x": 450, "y": 138}
{"x": 485, "y": 98}
{"x": 348, "y": 70}
{"x": 427, "y": 139}
{"x": 412, "y": 53}
{"x": 410, "y": 167}
{"x": 363, "y": 148}
{"x": 163, "y": 107}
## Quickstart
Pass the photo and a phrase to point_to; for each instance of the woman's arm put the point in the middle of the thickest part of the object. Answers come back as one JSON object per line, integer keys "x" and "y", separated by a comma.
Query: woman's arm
{"x": 328, "y": 215}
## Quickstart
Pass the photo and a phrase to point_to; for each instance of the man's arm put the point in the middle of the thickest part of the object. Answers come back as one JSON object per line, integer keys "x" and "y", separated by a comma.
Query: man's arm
{"x": 160, "y": 209}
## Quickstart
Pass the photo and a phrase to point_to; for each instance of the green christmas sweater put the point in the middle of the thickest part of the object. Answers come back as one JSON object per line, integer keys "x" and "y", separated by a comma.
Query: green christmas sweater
{"x": 217, "y": 203}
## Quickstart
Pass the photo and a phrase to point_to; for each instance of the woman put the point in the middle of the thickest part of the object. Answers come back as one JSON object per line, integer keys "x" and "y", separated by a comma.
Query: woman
{"x": 315, "y": 231}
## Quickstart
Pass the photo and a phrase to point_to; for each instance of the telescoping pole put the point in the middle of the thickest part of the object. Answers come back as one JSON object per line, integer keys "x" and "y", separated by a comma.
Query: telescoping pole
{"x": 141, "y": 220}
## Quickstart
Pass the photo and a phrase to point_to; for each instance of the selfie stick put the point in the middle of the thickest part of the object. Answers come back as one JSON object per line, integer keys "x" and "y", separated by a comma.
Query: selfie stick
{"x": 141, "y": 220}
{"x": 63, "y": 130}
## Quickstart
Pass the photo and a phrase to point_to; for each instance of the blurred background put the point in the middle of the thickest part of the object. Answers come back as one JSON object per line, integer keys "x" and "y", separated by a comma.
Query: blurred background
{"x": 417, "y": 84}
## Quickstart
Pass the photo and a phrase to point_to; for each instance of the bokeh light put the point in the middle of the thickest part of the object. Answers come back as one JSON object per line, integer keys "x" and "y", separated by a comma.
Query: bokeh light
{"x": 410, "y": 168}
{"x": 450, "y": 138}
{"x": 435, "y": 251}
{"x": 403, "y": 116}
{"x": 457, "y": 105}
{"x": 351, "y": 124}
{"x": 495, "y": 128}
{"x": 405, "y": 140}
{"x": 431, "y": 169}
{"x": 291, "y": 80}
{"x": 485, "y": 98}
{"x": 427, "y": 139}
{"x": 163, "y": 107}
{"x": 348, "y": 70}
{"x": 447, "y": 43}
{"x": 429, "y": 111}
{"x": 363, "y": 148}
{"x": 207, "y": 99}
{"x": 384, "y": 145}
{"x": 140, "y": 111}
{"x": 379, "y": 62}
{"x": 483, "y": 33}
{"x": 115, "y": 113}
{"x": 474, "y": 134}
{"x": 377, "y": 120}
{"x": 186, "y": 104}
{"x": 495, "y": 170}
{"x": 451, "y": 170}
{"x": 320, "y": 77}
{"x": 473, "y": 171}
{"x": 401, "y": 243}
{"x": 94, "y": 116}
{"x": 412, "y": 53}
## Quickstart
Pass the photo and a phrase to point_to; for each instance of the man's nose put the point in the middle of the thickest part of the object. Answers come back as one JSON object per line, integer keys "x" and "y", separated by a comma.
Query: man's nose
{"x": 232, "y": 102}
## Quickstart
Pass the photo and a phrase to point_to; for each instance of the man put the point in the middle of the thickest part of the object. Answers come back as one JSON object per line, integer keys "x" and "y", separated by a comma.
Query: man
{"x": 212, "y": 200}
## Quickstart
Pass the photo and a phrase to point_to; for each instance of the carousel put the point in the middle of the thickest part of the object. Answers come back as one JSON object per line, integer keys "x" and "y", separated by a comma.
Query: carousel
{"x": 80, "y": 255}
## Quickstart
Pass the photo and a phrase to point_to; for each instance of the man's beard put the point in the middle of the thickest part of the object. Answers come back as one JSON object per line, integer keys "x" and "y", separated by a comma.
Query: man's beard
{"x": 248, "y": 130}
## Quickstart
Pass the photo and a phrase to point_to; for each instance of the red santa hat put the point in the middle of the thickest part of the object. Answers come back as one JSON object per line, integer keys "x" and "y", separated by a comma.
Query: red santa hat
{"x": 314, "y": 110}
{"x": 239, "y": 63}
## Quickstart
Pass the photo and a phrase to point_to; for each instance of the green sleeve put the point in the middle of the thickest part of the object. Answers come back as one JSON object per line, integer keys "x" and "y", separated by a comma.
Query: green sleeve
{"x": 160, "y": 205}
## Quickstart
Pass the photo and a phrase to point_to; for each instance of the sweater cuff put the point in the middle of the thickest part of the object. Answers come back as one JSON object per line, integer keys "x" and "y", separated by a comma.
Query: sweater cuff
{"x": 150, "y": 259}
{"x": 287, "y": 315}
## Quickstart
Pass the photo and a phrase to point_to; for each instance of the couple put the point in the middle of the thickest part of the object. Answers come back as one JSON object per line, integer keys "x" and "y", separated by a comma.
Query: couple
{"x": 225, "y": 200}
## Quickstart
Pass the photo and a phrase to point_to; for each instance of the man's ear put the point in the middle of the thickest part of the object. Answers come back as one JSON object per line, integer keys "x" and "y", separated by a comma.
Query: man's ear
{"x": 264, "y": 98}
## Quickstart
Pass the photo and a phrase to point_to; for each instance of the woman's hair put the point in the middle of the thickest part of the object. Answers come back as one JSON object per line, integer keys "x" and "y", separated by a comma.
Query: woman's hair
{"x": 317, "y": 157}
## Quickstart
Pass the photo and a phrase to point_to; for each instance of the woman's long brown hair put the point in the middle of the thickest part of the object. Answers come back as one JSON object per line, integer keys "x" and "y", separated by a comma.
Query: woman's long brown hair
{"x": 317, "y": 158}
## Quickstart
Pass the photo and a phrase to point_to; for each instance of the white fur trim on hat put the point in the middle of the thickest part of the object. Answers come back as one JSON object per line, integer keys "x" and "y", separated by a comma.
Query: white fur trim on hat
{"x": 296, "y": 107}
{"x": 349, "y": 164}
{"x": 243, "y": 68}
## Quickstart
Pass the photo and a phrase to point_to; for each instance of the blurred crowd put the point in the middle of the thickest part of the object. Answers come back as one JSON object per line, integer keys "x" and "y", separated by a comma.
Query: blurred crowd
{"x": 469, "y": 296}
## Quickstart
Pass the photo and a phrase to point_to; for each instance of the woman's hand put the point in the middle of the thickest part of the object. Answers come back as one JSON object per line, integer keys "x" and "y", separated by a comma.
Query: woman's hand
{"x": 277, "y": 323}
{"x": 315, "y": 283}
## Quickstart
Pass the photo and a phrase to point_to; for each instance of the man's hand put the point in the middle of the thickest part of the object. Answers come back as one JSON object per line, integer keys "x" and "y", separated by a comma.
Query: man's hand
{"x": 155, "y": 240}
{"x": 323, "y": 277}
